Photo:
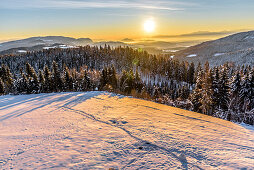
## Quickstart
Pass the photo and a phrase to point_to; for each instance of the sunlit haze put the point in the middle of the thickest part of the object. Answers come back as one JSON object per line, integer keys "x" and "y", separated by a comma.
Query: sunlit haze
{"x": 115, "y": 20}
{"x": 149, "y": 25}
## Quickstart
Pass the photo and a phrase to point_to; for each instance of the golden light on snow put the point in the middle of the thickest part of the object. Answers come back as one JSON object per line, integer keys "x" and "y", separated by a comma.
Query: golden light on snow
{"x": 149, "y": 25}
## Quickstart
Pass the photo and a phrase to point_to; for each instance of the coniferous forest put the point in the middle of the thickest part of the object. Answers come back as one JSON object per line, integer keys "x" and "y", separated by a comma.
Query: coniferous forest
{"x": 225, "y": 92}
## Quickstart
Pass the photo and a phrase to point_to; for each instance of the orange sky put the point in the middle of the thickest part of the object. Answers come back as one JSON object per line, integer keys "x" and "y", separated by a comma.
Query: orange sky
{"x": 115, "y": 20}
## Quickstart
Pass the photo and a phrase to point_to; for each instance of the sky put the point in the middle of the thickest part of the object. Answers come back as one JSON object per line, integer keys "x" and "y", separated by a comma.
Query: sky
{"x": 116, "y": 20}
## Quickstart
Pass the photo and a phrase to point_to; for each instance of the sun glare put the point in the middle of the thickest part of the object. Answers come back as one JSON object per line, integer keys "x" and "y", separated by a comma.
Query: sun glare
{"x": 149, "y": 25}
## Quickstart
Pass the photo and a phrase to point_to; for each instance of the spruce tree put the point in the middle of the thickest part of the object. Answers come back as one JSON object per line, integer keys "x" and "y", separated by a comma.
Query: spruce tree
{"x": 197, "y": 93}
{"x": 48, "y": 80}
{"x": 251, "y": 77}
{"x": 130, "y": 82}
{"x": 33, "y": 82}
{"x": 7, "y": 78}
{"x": 41, "y": 81}
{"x": 29, "y": 70}
{"x": 190, "y": 74}
{"x": 198, "y": 69}
{"x": 215, "y": 87}
{"x": 86, "y": 82}
{"x": 235, "y": 88}
{"x": 104, "y": 77}
{"x": 138, "y": 82}
{"x": 25, "y": 84}
{"x": 56, "y": 77}
{"x": 123, "y": 81}
{"x": 245, "y": 93}
{"x": 113, "y": 78}
{"x": 1, "y": 87}
{"x": 68, "y": 80}
{"x": 206, "y": 100}
{"x": 223, "y": 90}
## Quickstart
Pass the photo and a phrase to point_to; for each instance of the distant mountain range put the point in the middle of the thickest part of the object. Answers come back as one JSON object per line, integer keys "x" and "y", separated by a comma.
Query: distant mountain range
{"x": 39, "y": 43}
{"x": 237, "y": 48}
{"x": 44, "y": 41}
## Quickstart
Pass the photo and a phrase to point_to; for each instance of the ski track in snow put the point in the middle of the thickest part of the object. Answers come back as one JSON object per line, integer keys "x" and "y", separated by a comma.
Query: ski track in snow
{"x": 98, "y": 130}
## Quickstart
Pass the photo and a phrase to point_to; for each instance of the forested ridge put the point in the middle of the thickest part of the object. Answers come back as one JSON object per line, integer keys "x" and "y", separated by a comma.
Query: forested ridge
{"x": 226, "y": 91}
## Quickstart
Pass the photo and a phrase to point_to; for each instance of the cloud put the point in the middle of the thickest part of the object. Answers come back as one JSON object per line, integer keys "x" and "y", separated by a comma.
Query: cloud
{"x": 196, "y": 34}
{"x": 77, "y": 4}
{"x": 127, "y": 40}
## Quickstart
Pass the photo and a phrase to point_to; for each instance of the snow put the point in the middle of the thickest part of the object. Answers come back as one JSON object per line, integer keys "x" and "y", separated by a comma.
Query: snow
{"x": 46, "y": 48}
{"x": 21, "y": 51}
{"x": 249, "y": 37}
{"x": 171, "y": 51}
{"x": 66, "y": 46}
{"x": 191, "y": 55}
{"x": 218, "y": 54}
{"x": 100, "y": 130}
{"x": 60, "y": 46}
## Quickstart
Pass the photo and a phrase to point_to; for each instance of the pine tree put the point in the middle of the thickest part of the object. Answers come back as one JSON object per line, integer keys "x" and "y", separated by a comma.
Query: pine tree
{"x": 56, "y": 77}
{"x": 86, "y": 81}
{"x": 48, "y": 80}
{"x": 251, "y": 78}
{"x": 104, "y": 77}
{"x": 75, "y": 78}
{"x": 190, "y": 74}
{"x": 25, "y": 84}
{"x": 197, "y": 93}
{"x": 235, "y": 88}
{"x": 215, "y": 87}
{"x": 113, "y": 78}
{"x": 223, "y": 90}
{"x": 138, "y": 82}
{"x": 1, "y": 87}
{"x": 245, "y": 93}
{"x": 123, "y": 81}
{"x": 206, "y": 100}
{"x": 198, "y": 69}
{"x": 68, "y": 80}
{"x": 130, "y": 82}
{"x": 156, "y": 92}
{"x": 7, "y": 78}
{"x": 33, "y": 85}
{"x": 41, "y": 81}
{"x": 30, "y": 70}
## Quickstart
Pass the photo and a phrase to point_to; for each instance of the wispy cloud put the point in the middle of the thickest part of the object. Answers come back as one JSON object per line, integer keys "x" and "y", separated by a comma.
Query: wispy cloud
{"x": 76, "y": 4}
{"x": 196, "y": 34}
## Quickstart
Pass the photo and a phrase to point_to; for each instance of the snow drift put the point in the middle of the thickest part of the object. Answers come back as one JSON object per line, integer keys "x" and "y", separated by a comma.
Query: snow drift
{"x": 99, "y": 130}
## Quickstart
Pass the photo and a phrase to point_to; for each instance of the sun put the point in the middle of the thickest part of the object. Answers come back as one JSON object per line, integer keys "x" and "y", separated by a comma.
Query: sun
{"x": 149, "y": 25}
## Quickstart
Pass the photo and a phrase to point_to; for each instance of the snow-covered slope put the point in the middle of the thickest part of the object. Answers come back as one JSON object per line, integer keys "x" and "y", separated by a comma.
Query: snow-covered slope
{"x": 48, "y": 41}
{"x": 100, "y": 130}
{"x": 237, "y": 48}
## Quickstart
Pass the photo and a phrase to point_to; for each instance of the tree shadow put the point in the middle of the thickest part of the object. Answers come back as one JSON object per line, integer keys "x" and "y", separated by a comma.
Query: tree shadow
{"x": 39, "y": 101}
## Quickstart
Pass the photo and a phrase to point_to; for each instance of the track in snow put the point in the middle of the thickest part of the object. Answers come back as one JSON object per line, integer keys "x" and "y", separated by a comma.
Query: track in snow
{"x": 98, "y": 130}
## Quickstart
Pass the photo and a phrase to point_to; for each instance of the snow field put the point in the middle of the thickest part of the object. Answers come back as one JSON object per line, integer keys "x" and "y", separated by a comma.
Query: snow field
{"x": 100, "y": 130}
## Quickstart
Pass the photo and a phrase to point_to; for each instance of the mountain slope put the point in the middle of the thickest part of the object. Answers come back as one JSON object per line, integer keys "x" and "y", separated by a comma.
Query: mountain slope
{"x": 98, "y": 130}
{"x": 237, "y": 48}
{"x": 44, "y": 41}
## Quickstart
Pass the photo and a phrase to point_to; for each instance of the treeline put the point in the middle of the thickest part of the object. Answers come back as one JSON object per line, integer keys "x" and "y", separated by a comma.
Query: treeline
{"x": 225, "y": 91}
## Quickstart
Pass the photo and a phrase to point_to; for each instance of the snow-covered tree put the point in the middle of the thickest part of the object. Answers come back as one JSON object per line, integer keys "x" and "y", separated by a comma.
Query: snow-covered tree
{"x": 245, "y": 93}
{"x": 1, "y": 87}
{"x": 197, "y": 93}
{"x": 206, "y": 99}
{"x": 56, "y": 77}
{"x": 223, "y": 90}
{"x": 235, "y": 88}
